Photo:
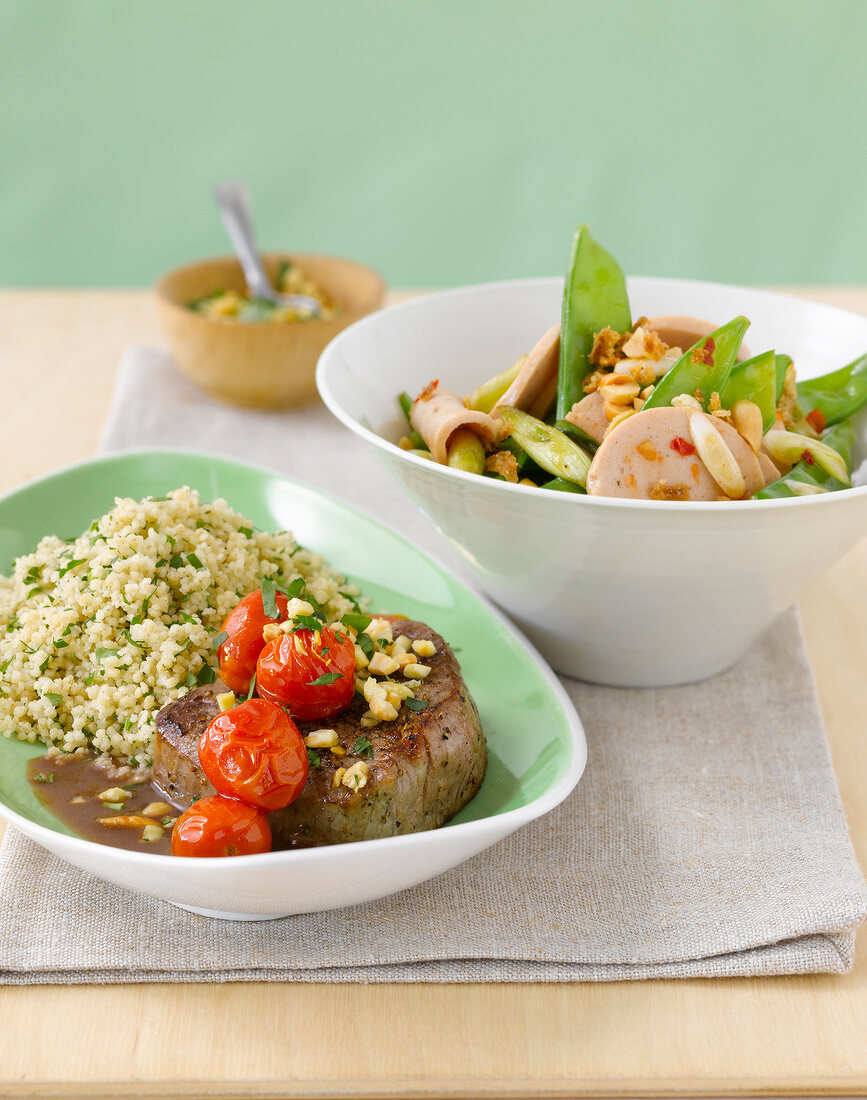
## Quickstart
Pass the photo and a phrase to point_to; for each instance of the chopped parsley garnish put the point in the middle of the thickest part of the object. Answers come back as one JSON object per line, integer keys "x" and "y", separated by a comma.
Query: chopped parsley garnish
{"x": 44, "y": 777}
{"x": 206, "y": 675}
{"x": 252, "y": 687}
{"x": 193, "y": 560}
{"x": 5, "y": 664}
{"x": 365, "y": 643}
{"x": 359, "y": 623}
{"x": 71, "y": 565}
{"x": 269, "y": 597}
{"x": 248, "y": 531}
{"x": 53, "y": 698}
{"x": 60, "y": 644}
{"x": 132, "y": 641}
{"x": 100, "y": 654}
{"x": 177, "y": 561}
{"x": 325, "y": 678}
{"x": 307, "y": 622}
{"x": 362, "y": 746}
{"x": 313, "y": 759}
{"x": 295, "y": 588}
{"x": 416, "y": 704}
{"x": 218, "y": 641}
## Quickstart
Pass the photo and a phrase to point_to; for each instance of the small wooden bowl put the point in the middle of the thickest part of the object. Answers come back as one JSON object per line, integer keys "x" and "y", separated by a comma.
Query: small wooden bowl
{"x": 260, "y": 364}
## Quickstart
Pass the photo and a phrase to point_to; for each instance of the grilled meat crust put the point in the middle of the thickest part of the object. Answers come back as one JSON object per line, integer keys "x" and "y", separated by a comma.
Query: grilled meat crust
{"x": 424, "y": 767}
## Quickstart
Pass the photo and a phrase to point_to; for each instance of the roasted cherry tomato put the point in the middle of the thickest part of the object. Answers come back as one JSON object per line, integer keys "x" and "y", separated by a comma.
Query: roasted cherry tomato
{"x": 221, "y": 827}
{"x": 255, "y": 753}
{"x": 312, "y": 672}
{"x": 240, "y": 651}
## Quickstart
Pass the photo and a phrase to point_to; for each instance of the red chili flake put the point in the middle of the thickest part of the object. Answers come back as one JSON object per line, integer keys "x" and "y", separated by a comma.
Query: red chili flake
{"x": 682, "y": 446}
{"x": 817, "y": 420}
{"x": 428, "y": 391}
{"x": 704, "y": 354}
{"x": 808, "y": 458}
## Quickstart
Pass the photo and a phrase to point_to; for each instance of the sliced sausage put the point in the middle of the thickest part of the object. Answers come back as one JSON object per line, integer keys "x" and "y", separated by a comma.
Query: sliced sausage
{"x": 650, "y": 456}
{"x": 588, "y": 414}
{"x": 536, "y": 383}
{"x": 682, "y": 332}
{"x": 769, "y": 470}
{"x": 436, "y": 415}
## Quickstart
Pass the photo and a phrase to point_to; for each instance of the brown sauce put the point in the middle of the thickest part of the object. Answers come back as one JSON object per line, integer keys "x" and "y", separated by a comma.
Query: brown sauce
{"x": 68, "y": 787}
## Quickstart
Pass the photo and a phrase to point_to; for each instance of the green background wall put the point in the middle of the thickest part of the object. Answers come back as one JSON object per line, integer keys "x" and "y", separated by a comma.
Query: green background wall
{"x": 442, "y": 142}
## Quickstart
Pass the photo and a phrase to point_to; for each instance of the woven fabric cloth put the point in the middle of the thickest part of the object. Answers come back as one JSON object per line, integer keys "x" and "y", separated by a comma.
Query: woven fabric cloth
{"x": 706, "y": 838}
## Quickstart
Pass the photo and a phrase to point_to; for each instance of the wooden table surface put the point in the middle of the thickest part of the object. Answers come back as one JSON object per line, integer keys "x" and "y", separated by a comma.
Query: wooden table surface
{"x": 804, "y": 1035}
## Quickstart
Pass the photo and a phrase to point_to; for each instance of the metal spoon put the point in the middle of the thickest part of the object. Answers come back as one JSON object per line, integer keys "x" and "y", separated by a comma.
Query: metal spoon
{"x": 233, "y": 202}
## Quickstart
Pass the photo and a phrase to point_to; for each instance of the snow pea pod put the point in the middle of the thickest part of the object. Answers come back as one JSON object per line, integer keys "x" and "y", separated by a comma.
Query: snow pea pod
{"x": 756, "y": 381}
{"x": 783, "y": 364}
{"x": 417, "y": 442}
{"x": 594, "y": 297}
{"x": 548, "y": 448}
{"x": 704, "y": 368}
{"x": 561, "y": 486}
{"x": 842, "y": 438}
{"x": 577, "y": 435}
{"x": 837, "y": 395}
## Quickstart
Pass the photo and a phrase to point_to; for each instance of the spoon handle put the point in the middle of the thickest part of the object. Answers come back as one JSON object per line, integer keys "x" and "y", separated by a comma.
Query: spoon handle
{"x": 233, "y": 202}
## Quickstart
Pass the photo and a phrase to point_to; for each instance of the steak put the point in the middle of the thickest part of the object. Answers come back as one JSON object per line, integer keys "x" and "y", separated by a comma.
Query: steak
{"x": 424, "y": 766}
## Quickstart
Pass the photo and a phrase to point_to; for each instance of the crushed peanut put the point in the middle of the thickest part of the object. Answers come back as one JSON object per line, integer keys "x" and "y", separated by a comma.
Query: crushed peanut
{"x": 321, "y": 739}
{"x": 114, "y": 794}
{"x": 157, "y": 809}
{"x": 382, "y": 665}
{"x": 424, "y": 647}
{"x": 417, "y": 671}
{"x": 297, "y": 606}
{"x": 503, "y": 463}
{"x": 356, "y": 777}
{"x": 226, "y": 700}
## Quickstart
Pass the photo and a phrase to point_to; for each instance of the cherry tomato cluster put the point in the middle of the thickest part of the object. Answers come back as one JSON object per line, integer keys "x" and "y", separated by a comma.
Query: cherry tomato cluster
{"x": 253, "y": 754}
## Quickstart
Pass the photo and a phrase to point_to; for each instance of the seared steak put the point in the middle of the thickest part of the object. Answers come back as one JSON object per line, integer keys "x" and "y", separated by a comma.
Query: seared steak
{"x": 424, "y": 767}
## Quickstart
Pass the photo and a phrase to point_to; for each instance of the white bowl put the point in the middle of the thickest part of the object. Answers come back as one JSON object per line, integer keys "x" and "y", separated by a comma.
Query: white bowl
{"x": 624, "y": 592}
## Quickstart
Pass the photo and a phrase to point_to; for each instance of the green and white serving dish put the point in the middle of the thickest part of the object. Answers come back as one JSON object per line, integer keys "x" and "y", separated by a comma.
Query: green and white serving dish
{"x": 536, "y": 744}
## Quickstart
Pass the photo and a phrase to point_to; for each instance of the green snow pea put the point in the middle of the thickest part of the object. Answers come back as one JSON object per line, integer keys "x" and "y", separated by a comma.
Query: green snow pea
{"x": 560, "y": 486}
{"x": 577, "y": 435}
{"x": 755, "y": 380}
{"x": 417, "y": 442}
{"x": 548, "y": 448}
{"x": 804, "y": 479}
{"x": 837, "y": 395}
{"x": 594, "y": 297}
{"x": 783, "y": 364}
{"x": 704, "y": 368}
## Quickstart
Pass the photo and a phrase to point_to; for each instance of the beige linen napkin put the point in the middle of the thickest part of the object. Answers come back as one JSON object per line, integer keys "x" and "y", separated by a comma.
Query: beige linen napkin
{"x": 706, "y": 838}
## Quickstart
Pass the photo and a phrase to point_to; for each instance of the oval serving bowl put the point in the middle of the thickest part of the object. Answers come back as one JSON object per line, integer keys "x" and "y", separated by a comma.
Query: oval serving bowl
{"x": 624, "y": 592}
{"x": 263, "y": 365}
{"x": 536, "y": 744}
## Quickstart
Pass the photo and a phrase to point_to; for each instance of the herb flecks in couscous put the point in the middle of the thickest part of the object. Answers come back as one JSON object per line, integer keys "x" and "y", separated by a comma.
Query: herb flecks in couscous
{"x": 98, "y": 633}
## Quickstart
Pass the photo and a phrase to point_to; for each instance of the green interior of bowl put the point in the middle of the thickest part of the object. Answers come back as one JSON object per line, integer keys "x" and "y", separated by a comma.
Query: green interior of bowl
{"x": 530, "y": 742}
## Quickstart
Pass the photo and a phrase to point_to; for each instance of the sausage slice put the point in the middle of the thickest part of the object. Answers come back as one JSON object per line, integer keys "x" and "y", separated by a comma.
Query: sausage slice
{"x": 651, "y": 456}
